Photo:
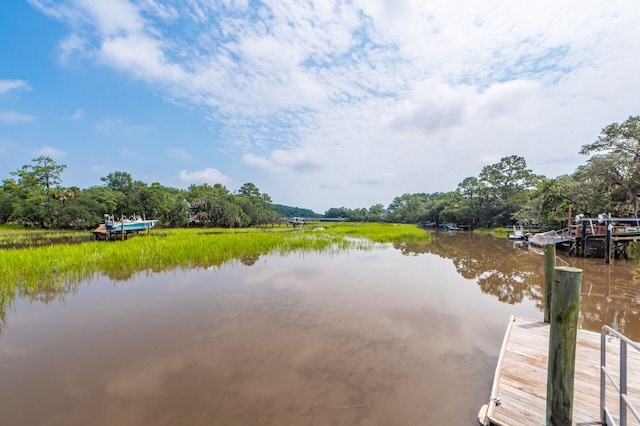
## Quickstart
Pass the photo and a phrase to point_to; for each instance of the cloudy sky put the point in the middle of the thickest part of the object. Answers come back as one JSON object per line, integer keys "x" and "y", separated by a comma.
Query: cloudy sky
{"x": 320, "y": 104}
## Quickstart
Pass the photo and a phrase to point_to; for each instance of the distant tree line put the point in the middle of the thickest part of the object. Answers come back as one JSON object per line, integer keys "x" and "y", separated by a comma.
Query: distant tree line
{"x": 509, "y": 193}
{"x": 33, "y": 197}
{"x": 288, "y": 211}
{"x": 502, "y": 194}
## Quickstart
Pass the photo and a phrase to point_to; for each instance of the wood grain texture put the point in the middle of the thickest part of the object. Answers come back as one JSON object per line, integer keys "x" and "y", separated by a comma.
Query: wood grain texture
{"x": 521, "y": 377}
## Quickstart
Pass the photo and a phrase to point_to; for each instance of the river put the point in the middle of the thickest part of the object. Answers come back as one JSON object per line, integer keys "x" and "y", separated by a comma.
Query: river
{"x": 405, "y": 335}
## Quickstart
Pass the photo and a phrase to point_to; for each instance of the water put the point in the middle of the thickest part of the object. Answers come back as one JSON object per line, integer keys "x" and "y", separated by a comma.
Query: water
{"x": 405, "y": 335}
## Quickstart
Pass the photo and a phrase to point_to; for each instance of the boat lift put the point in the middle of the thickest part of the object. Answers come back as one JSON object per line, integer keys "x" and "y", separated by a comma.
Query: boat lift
{"x": 616, "y": 232}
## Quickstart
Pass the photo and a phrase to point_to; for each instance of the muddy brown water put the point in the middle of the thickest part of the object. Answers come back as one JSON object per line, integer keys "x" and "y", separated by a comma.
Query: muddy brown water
{"x": 405, "y": 335}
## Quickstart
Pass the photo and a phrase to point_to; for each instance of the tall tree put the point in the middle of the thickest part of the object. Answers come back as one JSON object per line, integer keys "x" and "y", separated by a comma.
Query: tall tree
{"x": 37, "y": 181}
{"x": 119, "y": 181}
{"x": 617, "y": 154}
{"x": 505, "y": 183}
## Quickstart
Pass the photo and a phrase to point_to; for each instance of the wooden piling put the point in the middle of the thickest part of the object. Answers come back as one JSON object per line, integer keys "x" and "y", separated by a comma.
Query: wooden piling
{"x": 549, "y": 267}
{"x": 607, "y": 245}
{"x": 565, "y": 306}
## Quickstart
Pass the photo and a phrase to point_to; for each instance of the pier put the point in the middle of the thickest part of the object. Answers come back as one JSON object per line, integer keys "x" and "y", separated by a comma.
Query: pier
{"x": 518, "y": 395}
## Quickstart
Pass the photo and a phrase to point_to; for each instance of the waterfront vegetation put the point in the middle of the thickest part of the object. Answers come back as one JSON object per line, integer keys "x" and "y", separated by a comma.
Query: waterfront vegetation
{"x": 35, "y": 269}
{"x": 16, "y": 236}
{"x": 500, "y": 195}
{"x": 496, "y": 232}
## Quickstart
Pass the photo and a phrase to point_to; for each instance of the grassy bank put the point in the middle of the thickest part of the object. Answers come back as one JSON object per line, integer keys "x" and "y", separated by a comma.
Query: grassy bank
{"x": 496, "y": 232}
{"x": 12, "y": 236}
{"x": 35, "y": 269}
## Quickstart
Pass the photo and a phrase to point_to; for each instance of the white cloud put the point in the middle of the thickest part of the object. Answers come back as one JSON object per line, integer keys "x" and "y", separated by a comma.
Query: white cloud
{"x": 13, "y": 117}
{"x": 113, "y": 17}
{"x": 50, "y": 151}
{"x": 109, "y": 124}
{"x": 73, "y": 46}
{"x": 142, "y": 56}
{"x": 408, "y": 96}
{"x": 77, "y": 115}
{"x": 208, "y": 175}
{"x": 117, "y": 125}
{"x": 7, "y": 85}
{"x": 281, "y": 160}
{"x": 129, "y": 153}
{"x": 177, "y": 153}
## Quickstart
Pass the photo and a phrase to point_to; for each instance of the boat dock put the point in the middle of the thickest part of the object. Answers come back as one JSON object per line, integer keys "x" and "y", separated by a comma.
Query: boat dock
{"x": 518, "y": 396}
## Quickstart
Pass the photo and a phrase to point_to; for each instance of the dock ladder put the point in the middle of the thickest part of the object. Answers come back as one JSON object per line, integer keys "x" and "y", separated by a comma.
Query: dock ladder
{"x": 621, "y": 387}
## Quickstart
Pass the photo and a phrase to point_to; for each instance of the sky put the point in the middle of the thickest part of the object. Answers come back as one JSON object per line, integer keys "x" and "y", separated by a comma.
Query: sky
{"x": 346, "y": 103}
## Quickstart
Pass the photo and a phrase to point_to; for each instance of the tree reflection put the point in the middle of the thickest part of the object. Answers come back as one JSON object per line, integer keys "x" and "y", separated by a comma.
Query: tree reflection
{"x": 510, "y": 275}
{"x": 250, "y": 259}
{"x": 513, "y": 273}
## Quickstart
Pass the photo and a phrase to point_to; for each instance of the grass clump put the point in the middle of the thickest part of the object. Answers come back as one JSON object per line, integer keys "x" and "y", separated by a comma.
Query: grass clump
{"x": 496, "y": 232}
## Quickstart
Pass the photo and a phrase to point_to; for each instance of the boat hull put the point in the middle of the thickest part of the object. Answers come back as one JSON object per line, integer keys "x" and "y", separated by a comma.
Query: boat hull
{"x": 112, "y": 229}
{"x": 141, "y": 225}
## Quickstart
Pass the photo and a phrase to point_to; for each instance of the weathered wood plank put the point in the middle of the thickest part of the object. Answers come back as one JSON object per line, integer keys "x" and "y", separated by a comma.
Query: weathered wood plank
{"x": 521, "y": 376}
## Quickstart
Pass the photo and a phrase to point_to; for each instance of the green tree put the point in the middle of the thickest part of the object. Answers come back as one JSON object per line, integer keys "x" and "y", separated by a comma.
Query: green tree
{"x": 8, "y": 199}
{"x": 288, "y": 211}
{"x": 507, "y": 177}
{"x": 339, "y": 213}
{"x": 504, "y": 184}
{"x": 249, "y": 190}
{"x": 375, "y": 213}
{"x": 37, "y": 182}
{"x": 617, "y": 162}
{"x": 256, "y": 206}
{"x": 409, "y": 208}
{"x": 83, "y": 211}
{"x": 119, "y": 181}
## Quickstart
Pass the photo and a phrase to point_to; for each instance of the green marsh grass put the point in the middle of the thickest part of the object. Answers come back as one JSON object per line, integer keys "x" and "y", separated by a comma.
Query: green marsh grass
{"x": 35, "y": 269}
{"x": 496, "y": 232}
{"x": 20, "y": 237}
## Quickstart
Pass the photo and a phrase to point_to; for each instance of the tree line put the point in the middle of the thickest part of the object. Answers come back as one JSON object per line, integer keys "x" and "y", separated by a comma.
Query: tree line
{"x": 34, "y": 197}
{"x": 508, "y": 192}
{"x": 502, "y": 194}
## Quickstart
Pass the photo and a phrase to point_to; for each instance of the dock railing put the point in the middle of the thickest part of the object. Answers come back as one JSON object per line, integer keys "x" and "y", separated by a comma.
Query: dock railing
{"x": 621, "y": 387}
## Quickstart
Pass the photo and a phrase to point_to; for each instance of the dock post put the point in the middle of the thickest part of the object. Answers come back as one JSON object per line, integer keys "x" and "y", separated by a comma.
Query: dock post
{"x": 549, "y": 266}
{"x": 607, "y": 245}
{"x": 565, "y": 306}
{"x": 584, "y": 238}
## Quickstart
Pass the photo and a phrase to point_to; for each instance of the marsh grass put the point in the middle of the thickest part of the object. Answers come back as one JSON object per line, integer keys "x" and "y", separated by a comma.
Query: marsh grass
{"x": 19, "y": 237}
{"x": 35, "y": 269}
{"x": 496, "y": 232}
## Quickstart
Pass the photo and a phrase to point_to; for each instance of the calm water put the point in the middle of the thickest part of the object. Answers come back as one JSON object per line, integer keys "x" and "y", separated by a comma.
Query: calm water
{"x": 404, "y": 335}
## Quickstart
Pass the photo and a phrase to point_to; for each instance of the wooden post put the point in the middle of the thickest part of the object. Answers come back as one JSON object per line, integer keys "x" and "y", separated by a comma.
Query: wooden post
{"x": 607, "y": 245}
{"x": 549, "y": 266}
{"x": 584, "y": 238}
{"x": 565, "y": 306}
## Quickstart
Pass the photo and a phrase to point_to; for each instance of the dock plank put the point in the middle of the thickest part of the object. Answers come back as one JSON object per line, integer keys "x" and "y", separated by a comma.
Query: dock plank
{"x": 521, "y": 377}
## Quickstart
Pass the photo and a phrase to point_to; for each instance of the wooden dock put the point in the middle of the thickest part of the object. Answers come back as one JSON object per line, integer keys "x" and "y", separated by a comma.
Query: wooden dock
{"x": 520, "y": 380}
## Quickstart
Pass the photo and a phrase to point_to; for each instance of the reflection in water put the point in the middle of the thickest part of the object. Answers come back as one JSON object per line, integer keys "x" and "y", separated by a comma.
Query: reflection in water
{"x": 388, "y": 336}
{"x": 510, "y": 275}
{"x": 513, "y": 272}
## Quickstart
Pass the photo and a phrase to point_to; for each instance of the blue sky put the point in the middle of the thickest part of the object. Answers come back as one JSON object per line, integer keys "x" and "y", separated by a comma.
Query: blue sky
{"x": 320, "y": 104}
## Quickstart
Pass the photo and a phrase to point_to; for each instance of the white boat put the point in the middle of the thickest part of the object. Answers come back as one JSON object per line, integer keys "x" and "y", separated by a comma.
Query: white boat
{"x": 126, "y": 225}
{"x": 551, "y": 237}
{"x": 134, "y": 223}
{"x": 516, "y": 234}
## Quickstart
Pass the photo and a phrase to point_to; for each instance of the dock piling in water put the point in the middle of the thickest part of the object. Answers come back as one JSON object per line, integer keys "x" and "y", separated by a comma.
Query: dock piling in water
{"x": 565, "y": 305}
{"x": 549, "y": 268}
